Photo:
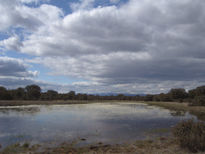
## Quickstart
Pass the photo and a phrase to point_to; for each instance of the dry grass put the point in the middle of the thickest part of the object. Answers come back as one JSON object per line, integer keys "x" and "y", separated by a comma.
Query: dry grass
{"x": 199, "y": 111}
{"x": 158, "y": 146}
{"x": 190, "y": 135}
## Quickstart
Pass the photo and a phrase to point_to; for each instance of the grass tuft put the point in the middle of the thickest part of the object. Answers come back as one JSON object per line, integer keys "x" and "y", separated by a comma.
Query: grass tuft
{"x": 190, "y": 135}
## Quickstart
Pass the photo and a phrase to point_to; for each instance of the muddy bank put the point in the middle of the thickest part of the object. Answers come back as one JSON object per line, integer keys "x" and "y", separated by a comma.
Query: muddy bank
{"x": 160, "y": 145}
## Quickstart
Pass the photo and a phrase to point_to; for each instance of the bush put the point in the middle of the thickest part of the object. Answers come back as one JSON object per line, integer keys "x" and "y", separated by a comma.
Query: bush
{"x": 190, "y": 135}
{"x": 26, "y": 145}
{"x": 197, "y": 101}
{"x": 200, "y": 100}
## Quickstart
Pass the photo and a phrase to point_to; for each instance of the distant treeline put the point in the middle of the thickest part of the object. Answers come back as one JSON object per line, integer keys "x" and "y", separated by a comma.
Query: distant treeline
{"x": 33, "y": 92}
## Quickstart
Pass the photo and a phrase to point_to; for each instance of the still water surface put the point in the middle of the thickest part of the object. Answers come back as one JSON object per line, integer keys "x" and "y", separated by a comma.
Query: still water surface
{"x": 100, "y": 122}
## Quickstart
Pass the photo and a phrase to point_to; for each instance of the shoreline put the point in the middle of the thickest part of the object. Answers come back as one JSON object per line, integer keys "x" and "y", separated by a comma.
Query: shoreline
{"x": 198, "y": 111}
{"x": 54, "y": 102}
{"x": 159, "y": 145}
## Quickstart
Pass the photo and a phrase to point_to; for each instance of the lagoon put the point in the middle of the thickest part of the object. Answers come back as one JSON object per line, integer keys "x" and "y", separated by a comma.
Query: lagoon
{"x": 109, "y": 123}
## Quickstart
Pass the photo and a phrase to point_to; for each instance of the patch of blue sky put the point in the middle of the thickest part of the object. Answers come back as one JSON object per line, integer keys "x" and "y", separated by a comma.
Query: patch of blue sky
{"x": 65, "y": 4}
{"x": 103, "y": 3}
{"x": 19, "y": 31}
{"x": 18, "y": 55}
{"x": 46, "y": 75}
{"x": 3, "y": 35}
{"x": 64, "y": 80}
{"x": 36, "y": 4}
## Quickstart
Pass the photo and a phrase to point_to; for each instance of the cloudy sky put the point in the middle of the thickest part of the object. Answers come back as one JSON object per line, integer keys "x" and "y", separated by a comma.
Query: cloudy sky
{"x": 103, "y": 46}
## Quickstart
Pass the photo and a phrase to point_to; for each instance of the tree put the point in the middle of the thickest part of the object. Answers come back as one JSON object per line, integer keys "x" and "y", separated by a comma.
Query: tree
{"x": 33, "y": 92}
{"x": 148, "y": 98}
{"x": 71, "y": 95}
{"x": 162, "y": 97}
{"x": 20, "y": 93}
{"x": 179, "y": 93}
{"x": 200, "y": 91}
{"x": 120, "y": 96}
{"x": 192, "y": 93}
{"x": 82, "y": 96}
{"x": 4, "y": 94}
{"x": 52, "y": 95}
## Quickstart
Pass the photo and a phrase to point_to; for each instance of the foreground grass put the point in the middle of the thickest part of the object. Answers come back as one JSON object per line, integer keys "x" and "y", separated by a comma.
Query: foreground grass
{"x": 157, "y": 146}
{"x": 199, "y": 111}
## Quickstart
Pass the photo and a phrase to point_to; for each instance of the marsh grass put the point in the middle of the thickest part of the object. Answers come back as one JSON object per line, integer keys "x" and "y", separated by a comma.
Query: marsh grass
{"x": 190, "y": 135}
{"x": 160, "y": 145}
{"x": 198, "y": 111}
{"x": 159, "y": 131}
{"x": 198, "y": 101}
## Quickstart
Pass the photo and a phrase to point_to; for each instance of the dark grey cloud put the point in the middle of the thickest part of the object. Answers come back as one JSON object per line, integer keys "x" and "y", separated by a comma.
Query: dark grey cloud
{"x": 177, "y": 69}
{"x": 10, "y": 67}
{"x": 16, "y": 82}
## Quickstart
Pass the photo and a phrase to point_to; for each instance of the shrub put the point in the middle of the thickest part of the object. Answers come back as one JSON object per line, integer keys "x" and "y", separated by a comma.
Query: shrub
{"x": 26, "y": 145}
{"x": 200, "y": 100}
{"x": 190, "y": 135}
{"x": 197, "y": 101}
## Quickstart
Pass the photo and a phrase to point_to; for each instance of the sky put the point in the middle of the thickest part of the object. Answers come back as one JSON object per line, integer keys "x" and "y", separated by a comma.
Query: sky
{"x": 103, "y": 46}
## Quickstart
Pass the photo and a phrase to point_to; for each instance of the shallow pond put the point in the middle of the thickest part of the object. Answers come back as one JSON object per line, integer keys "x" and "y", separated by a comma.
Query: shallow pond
{"x": 86, "y": 123}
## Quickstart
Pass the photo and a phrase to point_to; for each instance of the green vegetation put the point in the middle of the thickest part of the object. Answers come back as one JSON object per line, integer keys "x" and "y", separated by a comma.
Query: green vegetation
{"x": 33, "y": 92}
{"x": 195, "y": 97}
{"x": 190, "y": 135}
